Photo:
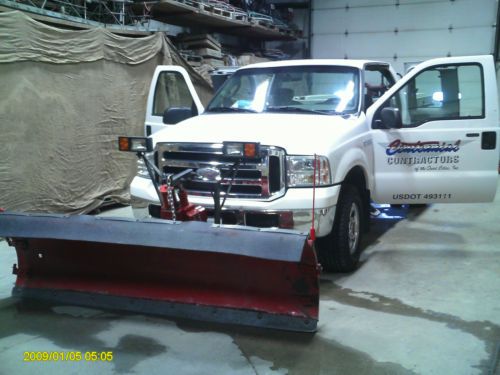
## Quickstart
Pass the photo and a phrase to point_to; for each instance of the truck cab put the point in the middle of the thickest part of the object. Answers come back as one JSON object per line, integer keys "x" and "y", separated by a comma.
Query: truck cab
{"x": 341, "y": 131}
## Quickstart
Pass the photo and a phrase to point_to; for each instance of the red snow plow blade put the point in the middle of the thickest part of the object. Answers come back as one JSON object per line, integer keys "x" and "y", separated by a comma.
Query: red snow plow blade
{"x": 191, "y": 270}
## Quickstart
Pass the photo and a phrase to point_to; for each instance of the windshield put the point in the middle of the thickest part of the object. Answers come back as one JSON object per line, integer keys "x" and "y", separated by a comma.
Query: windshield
{"x": 301, "y": 89}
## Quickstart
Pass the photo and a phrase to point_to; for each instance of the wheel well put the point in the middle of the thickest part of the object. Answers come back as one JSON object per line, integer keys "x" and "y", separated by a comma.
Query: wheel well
{"x": 356, "y": 177}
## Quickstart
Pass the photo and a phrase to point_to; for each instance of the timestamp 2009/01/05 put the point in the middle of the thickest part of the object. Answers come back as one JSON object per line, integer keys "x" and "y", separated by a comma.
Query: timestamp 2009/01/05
{"x": 73, "y": 356}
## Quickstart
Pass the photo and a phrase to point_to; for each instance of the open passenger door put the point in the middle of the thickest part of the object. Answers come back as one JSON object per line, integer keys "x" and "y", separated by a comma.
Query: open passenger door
{"x": 435, "y": 134}
{"x": 171, "y": 88}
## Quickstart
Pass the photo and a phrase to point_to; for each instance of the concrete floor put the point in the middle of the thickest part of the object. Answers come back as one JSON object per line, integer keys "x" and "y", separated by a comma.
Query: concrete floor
{"x": 426, "y": 300}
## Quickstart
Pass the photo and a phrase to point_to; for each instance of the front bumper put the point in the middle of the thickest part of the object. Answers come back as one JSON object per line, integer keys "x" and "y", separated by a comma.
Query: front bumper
{"x": 292, "y": 211}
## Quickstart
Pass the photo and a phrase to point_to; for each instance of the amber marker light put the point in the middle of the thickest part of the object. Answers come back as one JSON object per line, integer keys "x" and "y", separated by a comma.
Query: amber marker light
{"x": 247, "y": 150}
{"x": 123, "y": 144}
{"x": 250, "y": 150}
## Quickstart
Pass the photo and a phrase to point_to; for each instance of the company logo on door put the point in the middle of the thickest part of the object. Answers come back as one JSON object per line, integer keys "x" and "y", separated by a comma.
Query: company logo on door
{"x": 424, "y": 156}
{"x": 399, "y": 147}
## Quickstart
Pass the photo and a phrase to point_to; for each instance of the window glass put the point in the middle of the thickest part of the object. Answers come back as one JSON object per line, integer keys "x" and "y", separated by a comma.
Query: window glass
{"x": 438, "y": 93}
{"x": 317, "y": 88}
{"x": 377, "y": 81}
{"x": 247, "y": 92}
{"x": 171, "y": 91}
{"x": 471, "y": 91}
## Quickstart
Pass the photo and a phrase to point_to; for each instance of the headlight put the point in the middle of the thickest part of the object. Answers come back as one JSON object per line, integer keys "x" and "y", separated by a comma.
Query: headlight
{"x": 142, "y": 171}
{"x": 300, "y": 171}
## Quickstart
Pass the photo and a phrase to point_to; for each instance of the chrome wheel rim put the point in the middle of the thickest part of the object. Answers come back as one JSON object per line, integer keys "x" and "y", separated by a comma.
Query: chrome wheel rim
{"x": 353, "y": 233}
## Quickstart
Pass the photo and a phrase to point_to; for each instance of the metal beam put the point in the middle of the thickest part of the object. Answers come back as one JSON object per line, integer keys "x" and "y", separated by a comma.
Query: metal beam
{"x": 63, "y": 20}
{"x": 497, "y": 34}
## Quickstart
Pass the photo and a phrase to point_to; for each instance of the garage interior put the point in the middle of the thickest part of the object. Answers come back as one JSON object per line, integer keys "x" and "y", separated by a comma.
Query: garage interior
{"x": 75, "y": 75}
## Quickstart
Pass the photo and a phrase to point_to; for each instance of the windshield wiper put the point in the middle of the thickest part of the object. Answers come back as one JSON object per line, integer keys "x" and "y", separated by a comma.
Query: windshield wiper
{"x": 299, "y": 109}
{"x": 230, "y": 109}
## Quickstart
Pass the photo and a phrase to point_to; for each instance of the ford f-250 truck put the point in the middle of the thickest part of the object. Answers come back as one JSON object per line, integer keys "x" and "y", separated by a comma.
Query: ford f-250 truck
{"x": 429, "y": 137}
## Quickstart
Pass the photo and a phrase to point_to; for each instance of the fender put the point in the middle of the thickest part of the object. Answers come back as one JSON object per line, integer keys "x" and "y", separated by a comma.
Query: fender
{"x": 350, "y": 158}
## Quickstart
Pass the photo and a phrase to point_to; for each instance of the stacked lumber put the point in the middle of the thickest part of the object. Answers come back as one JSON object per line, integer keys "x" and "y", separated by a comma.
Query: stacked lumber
{"x": 192, "y": 58}
{"x": 201, "y": 49}
{"x": 190, "y": 41}
{"x": 250, "y": 58}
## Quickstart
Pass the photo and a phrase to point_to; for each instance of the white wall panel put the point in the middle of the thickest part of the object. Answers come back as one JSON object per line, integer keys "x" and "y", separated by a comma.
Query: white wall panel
{"x": 409, "y": 17}
{"x": 425, "y": 29}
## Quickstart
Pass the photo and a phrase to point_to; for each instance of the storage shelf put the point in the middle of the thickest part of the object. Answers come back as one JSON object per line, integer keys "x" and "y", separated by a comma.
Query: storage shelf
{"x": 187, "y": 12}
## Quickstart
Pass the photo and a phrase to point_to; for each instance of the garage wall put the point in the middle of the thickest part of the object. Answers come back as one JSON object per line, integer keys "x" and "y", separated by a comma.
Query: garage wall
{"x": 413, "y": 31}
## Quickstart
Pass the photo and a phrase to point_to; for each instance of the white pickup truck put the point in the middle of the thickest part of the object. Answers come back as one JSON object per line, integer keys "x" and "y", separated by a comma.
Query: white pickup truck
{"x": 429, "y": 137}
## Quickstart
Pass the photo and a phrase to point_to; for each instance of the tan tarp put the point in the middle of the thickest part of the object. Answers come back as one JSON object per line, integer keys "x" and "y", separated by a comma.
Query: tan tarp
{"x": 65, "y": 96}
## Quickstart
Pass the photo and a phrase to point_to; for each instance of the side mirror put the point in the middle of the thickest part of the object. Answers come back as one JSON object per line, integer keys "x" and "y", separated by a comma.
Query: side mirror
{"x": 391, "y": 118}
{"x": 177, "y": 114}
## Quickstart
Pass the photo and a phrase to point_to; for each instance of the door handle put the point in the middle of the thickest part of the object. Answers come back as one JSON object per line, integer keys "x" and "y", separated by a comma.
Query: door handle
{"x": 472, "y": 135}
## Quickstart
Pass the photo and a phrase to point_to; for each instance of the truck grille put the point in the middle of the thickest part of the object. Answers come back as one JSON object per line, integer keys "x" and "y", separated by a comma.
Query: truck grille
{"x": 259, "y": 179}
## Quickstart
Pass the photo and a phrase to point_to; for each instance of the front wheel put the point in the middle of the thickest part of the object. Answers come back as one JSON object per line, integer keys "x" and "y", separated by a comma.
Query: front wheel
{"x": 340, "y": 250}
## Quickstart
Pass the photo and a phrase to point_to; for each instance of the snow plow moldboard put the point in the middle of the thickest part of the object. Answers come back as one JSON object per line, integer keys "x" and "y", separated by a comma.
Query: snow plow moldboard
{"x": 191, "y": 270}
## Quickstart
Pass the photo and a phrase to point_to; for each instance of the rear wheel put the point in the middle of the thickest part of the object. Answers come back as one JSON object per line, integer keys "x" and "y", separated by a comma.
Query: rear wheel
{"x": 340, "y": 250}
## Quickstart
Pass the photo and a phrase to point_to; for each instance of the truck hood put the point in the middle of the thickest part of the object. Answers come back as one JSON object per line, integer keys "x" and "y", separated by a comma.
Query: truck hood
{"x": 293, "y": 132}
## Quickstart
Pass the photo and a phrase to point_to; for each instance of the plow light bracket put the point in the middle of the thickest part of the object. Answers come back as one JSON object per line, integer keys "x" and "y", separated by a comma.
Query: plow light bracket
{"x": 135, "y": 144}
{"x": 246, "y": 150}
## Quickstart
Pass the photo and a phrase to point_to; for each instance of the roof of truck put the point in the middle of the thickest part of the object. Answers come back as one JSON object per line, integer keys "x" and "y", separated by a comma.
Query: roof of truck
{"x": 342, "y": 62}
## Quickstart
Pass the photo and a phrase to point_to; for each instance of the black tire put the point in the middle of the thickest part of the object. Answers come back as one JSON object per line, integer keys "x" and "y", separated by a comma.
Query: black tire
{"x": 340, "y": 250}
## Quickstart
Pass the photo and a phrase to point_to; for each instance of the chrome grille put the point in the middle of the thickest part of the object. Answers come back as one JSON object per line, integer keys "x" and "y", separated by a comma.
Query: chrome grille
{"x": 259, "y": 179}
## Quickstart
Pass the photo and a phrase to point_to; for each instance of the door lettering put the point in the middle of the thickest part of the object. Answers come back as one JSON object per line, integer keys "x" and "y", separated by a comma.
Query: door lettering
{"x": 399, "y": 147}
